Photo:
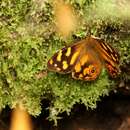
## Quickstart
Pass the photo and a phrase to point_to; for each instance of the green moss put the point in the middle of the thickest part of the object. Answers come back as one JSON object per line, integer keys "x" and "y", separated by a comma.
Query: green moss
{"x": 28, "y": 40}
{"x": 67, "y": 91}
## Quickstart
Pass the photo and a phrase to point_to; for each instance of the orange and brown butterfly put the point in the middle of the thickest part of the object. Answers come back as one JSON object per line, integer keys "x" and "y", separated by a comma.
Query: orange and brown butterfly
{"x": 85, "y": 59}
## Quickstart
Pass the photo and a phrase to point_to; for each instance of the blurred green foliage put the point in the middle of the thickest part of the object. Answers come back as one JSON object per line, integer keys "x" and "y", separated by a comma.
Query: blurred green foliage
{"x": 28, "y": 39}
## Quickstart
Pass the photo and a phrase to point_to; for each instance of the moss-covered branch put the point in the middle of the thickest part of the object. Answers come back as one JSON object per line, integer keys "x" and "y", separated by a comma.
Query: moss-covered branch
{"x": 28, "y": 39}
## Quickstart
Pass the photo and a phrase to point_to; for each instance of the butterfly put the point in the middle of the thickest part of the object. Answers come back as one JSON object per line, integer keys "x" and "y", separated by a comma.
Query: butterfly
{"x": 85, "y": 59}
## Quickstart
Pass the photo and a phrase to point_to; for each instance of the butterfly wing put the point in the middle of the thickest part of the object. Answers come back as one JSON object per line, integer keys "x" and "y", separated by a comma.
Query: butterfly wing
{"x": 109, "y": 55}
{"x": 65, "y": 59}
{"x": 88, "y": 67}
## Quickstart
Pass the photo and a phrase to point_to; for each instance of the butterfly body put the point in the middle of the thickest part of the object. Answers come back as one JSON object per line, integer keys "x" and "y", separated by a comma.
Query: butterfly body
{"x": 85, "y": 59}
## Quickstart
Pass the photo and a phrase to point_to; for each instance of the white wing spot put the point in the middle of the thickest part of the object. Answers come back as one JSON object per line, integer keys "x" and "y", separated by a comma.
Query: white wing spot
{"x": 55, "y": 65}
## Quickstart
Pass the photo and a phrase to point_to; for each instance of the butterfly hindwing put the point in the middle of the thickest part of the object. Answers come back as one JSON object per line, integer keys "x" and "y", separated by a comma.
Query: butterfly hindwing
{"x": 88, "y": 67}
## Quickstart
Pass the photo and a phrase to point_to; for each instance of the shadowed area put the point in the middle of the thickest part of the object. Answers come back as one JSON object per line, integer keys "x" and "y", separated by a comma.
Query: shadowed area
{"x": 113, "y": 113}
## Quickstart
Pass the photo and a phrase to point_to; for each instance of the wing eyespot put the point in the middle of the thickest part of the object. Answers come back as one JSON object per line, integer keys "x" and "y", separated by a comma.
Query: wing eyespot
{"x": 93, "y": 70}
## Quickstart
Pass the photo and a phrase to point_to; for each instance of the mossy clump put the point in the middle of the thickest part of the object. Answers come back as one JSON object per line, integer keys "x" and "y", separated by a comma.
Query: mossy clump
{"x": 28, "y": 40}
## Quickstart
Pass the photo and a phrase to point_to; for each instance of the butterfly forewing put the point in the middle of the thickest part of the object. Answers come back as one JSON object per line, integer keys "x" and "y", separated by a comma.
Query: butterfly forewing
{"x": 108, "y": 52}
{"x": 65, "y": 59}
{"x": 110, "y": 57}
